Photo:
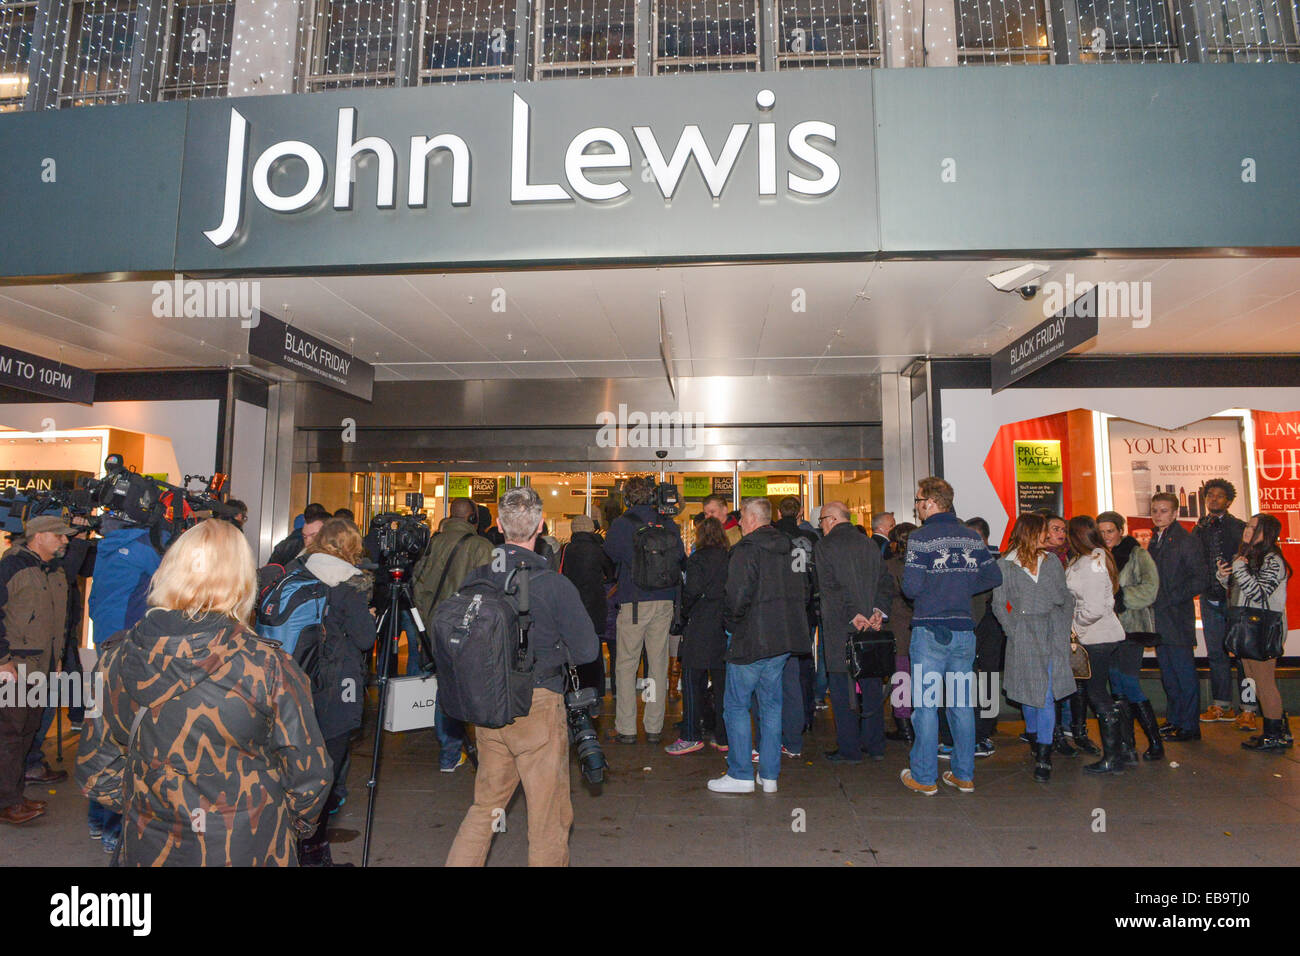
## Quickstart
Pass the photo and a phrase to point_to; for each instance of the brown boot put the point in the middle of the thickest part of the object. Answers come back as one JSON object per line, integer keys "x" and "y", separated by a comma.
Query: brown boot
{"x": 674, "y": 676}
{"x": 34, "y": 805}
{"x": 19, "y": 813}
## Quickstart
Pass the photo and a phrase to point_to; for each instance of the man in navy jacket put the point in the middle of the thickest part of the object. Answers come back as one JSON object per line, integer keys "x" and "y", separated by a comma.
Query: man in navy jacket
{"x": 947, "y": 565}
{"x": 643, "y": 617}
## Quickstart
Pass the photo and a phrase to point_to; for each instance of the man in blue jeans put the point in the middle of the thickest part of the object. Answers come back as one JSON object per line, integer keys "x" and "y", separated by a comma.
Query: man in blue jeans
{"x": 765, "y": 612}
{"x": 947, "y": 564}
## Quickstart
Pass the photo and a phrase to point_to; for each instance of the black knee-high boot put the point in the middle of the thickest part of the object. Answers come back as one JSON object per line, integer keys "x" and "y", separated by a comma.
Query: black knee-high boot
{"x": 1079, "y": 722}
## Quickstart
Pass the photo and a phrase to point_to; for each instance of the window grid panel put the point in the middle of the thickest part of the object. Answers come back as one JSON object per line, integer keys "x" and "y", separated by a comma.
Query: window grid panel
{"x": 1126, "y": 31}
{"x": 1249, "y": 31}
{"x": 200, "y": 33}
{"x": 705, "y": 36}
{"x": 356, "y": 45}
{"x": 1003, "y": 32}
{"x": 17, "y": 21}
{"x": 467, "y": 40}
{"x": 97, "y": 59}
{"x": 836, "y": 33}
{"x": 584, "y": 38}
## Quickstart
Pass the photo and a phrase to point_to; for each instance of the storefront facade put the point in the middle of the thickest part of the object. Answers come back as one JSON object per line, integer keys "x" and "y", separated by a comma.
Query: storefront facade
{"x": 498, "y": 281}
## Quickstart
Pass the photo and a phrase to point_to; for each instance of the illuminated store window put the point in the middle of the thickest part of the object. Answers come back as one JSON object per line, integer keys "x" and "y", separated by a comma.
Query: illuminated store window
{"x": 467, "y": 40}
{"x": 1003, "y": 31}
{"x": 198, "y": 49}
{"x": 97, "y": 59}
{"x": 16, "y": 21}
{"x": 701, "y": 37}
{"x": 836, "y": 33}
{"x": 585, "y": 37}
{"x": 353, "y": 44}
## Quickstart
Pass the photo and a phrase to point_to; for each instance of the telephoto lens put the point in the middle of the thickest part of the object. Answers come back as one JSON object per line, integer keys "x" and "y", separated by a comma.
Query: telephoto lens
{"x": 582, "y": 733}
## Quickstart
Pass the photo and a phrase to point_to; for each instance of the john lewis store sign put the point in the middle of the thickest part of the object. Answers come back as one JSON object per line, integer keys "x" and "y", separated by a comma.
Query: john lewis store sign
{"x": 543, "y": 172}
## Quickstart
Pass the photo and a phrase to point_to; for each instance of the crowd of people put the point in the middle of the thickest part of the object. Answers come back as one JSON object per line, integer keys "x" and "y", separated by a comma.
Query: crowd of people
{"x": 217, "y": 745}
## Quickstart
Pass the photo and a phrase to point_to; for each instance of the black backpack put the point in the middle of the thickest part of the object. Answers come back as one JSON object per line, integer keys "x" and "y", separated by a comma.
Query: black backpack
{"x": 480, "y": 646}
{"x": 656, "y": 565}
{"x": 291, "y": 611}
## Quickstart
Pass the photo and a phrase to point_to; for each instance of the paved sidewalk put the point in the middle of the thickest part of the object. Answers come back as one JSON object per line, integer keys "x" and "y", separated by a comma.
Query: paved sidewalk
{"x": 1219, "y": 805}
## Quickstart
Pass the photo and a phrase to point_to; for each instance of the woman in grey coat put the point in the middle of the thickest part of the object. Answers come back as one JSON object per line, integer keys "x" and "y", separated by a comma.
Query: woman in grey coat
{"x": 1035, "y": 608}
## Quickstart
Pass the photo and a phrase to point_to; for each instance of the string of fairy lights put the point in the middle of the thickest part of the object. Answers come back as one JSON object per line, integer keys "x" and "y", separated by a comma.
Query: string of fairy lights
{"x": 706, "y": 36}
{"x": 17, "y": 21}
{"x": 836, "y": 34}
{"x": 586, "y": 37}
{"x": 200, "y": 33}
{"x": 1009, "y": 31}
{"x": 346, "y": 43}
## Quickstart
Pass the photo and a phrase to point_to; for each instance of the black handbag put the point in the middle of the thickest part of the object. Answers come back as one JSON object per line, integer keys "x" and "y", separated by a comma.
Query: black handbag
{"x": 870, "y": 654}
{"x": 1254, "y": 634}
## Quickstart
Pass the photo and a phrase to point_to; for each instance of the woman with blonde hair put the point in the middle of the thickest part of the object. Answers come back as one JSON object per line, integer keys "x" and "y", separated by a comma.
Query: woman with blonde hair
{"x": 206, "y": 741}
{"x": 1033, "y": 605}
{"x": 340, "y": 678}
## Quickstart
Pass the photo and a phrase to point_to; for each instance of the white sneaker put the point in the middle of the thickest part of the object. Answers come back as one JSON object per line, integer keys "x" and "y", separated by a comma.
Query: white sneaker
{"x": 729, "y": 784}
{"x": 769, "y": 786}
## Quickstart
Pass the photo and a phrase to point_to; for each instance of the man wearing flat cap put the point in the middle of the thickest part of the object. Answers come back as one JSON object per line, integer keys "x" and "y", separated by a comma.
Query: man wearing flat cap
{"x": 33, "y": 610}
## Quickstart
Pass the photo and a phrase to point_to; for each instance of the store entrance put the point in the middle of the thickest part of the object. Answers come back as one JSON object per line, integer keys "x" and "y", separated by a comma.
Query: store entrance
{"x": 570, "y": 490}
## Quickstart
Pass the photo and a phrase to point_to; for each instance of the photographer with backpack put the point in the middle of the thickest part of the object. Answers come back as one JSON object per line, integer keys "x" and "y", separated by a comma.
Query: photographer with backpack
{"x": 338, "y": 677}
{"x": 647, "y": 549}
{"x": 533, "y": 747}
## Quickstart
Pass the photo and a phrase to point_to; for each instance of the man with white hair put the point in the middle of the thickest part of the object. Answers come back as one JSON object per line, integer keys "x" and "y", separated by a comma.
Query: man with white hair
{"x": 534, "y": 749}
{"x": 765, "y": 611}
{"x": 881, "y": 525}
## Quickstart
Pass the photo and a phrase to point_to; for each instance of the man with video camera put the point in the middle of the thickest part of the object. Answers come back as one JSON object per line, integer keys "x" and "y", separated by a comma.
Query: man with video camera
{"x": 533, "y": 749}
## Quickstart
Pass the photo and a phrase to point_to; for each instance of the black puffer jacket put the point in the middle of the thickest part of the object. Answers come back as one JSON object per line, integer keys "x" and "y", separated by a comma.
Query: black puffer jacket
{"x": 704, "y": 640}
{"x": 584, "y": 562}
{"x": 766, "y": 599}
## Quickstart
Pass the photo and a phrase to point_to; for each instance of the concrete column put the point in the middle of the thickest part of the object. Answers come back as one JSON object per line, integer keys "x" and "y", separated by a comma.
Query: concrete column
{"x": 277, "y": 477}
{"x": 265, "y": 46}
{"x": 900, "y": 32}
{"x": 905, "y": 432}
{"x": 940, "y": 34}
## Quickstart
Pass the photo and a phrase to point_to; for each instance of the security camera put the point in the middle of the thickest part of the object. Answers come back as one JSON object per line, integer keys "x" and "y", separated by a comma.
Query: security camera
{"x": 661, "y": 453}
{"x": 1019, "y": 279}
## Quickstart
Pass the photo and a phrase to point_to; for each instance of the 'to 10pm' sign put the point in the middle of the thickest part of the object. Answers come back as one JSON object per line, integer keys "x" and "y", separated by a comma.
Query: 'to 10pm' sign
{"x": 44, "y": 376}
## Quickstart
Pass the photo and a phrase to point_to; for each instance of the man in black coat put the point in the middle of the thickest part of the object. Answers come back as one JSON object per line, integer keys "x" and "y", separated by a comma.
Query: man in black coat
{"x": 854, "y": 587}
{"x": 765, "y": 611}
{"x": 1219, "y": 534}
{"x": 797, "y": 703}
{"x": 584, "y": 562}
{"x": 1180, "y": 562}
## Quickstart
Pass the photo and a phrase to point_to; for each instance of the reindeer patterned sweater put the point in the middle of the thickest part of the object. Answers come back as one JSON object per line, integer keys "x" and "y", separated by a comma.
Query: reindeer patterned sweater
{"x": 947, "y": 563}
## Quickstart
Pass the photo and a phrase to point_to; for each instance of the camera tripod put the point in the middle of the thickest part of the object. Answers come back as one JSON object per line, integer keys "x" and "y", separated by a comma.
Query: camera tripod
{"x": 389, "y": 629}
